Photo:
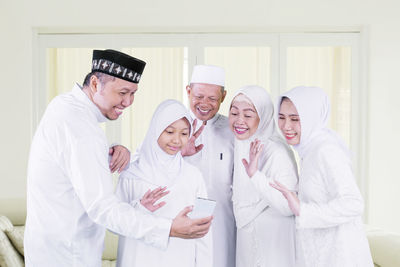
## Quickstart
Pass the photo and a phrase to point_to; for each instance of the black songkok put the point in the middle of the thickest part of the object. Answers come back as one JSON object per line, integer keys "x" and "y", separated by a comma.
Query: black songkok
{"x": 118, "y": 64}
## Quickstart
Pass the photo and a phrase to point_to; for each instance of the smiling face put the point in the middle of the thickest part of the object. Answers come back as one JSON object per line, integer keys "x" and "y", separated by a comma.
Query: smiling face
{"x": 289, "y": 122}
{"x": 243, "y": 119}
{"x": 174, "y": 137}
{"x": 205, "y": 99}
{"x": 112, "y": 96}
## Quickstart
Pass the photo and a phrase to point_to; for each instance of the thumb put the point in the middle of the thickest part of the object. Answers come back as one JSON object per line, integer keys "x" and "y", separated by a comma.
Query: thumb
{"x": 185, "y": 211}
{"x": 199, "y": 147}
{"x": 111, "y": 151}
{"x": 245, "y": 164}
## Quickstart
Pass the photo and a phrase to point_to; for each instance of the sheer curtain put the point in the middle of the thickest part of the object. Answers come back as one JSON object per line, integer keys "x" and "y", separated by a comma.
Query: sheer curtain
{"x": 162, "y": 79}
{"x": 330, "y": 69}
{"x": 243, "y": 66}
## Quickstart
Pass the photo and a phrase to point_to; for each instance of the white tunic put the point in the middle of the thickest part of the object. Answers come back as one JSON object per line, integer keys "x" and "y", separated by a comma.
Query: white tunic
{"x": 265, "y": 224}
{"x": 330, "y": 231}
{"x": 70, "y": 198}
{"x": 180, "y": 252}
{"x": 215, "y": 162}
{"x": 153, "y": 168}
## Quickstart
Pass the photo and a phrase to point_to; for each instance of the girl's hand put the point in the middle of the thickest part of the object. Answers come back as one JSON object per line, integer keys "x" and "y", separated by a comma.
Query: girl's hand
{"x": 255, "y": 151}
{"x": 150, "y": 198}
{"x": 293, "y": 200}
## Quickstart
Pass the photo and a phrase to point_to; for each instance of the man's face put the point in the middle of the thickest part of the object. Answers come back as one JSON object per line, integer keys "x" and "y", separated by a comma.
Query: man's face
{"x": 112, "y": 96}
{"x": 205, "y": 99}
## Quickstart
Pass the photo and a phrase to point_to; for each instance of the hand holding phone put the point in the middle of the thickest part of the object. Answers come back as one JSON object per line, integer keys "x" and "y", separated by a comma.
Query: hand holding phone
{"x": 202, "y": 208}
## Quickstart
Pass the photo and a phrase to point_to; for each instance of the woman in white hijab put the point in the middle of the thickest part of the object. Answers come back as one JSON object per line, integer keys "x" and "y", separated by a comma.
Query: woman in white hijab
{"x": 265, "y": 223}
{"x": 329, "y": 205}
{"x": 160, "y": 164}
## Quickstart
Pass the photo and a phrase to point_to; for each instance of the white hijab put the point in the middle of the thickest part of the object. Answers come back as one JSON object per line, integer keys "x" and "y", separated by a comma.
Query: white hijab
{"x": 313, "y": 106}
{"x": 152, "y": 164}
{"x": 266, "y": 130}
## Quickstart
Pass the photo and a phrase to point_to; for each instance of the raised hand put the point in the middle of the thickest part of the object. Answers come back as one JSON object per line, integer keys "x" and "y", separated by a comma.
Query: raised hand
{"x": 184, "y": 227}
{"x": 120, "y": 158}
{"x": 291, "y": 197}
{"x": 255, "y": 151}
{"x": 150, "y": 198}
{"x": 191, "y": 148}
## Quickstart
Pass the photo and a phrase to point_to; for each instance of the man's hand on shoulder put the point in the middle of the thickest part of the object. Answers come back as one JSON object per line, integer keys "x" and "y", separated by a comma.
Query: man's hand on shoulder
{"x": 120, "y": 158}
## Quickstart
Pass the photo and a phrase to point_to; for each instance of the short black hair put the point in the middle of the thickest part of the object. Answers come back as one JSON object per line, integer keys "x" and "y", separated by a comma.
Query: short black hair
{"x": 104, "y": 78}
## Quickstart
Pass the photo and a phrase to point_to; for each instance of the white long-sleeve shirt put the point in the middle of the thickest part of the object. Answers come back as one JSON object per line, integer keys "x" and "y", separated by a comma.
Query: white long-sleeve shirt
{"x": 330, "y": 231}
{"x": 180, "y": 252}
{"x": 215, "y": 161}
{"x": 70, "y": 198}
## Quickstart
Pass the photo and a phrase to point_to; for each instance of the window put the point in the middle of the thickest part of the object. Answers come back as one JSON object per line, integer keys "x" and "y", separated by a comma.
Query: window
{"x": 275, "y": 61}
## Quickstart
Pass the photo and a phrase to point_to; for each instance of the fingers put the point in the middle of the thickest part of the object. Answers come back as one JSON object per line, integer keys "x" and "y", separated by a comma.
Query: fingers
{"x": 199, "y": 131}
{"x": 194, "y": 124}
{"x": 185, "y": 211}
{"x": 115, "y": 158}
{"x": 199, "y": 147}
{"x": 245, "y": 164}
{"x": 203, "y": 221}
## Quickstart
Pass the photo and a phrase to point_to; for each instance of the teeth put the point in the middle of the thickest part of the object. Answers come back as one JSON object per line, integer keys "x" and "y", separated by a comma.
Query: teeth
{"x": 203, "y": 111}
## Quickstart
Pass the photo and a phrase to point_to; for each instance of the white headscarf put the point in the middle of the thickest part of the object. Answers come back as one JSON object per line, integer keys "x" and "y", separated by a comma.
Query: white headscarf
{"x": 266, "y": 130}
{"x": 152, "y": 164}
{"x": 313, "y": 106}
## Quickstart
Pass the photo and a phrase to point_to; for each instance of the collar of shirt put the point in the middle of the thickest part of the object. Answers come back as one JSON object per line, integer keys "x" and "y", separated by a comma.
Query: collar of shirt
{"x": 200, "y": 122}
{"x": 81, "y": 96}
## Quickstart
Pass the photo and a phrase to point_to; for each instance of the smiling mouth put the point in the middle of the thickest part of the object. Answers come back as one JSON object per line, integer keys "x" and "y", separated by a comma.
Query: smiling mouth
{"x": 118, "y": 111}
{"x": 173, "y": 148}
{"x": 290, "y": 136}
{"x": 203, "y": 112}
{"x": 240, "y": 130}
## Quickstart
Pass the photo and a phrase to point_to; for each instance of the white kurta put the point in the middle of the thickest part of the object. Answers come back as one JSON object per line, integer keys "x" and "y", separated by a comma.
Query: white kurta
{"x": 215, "y": 162}
{"x": 180, "y": 252}
{"x": 265, "y": 224}
{"x": 330, "y": 232}
{"x": 266, "y": 230}
{"x": 70, "y": 198}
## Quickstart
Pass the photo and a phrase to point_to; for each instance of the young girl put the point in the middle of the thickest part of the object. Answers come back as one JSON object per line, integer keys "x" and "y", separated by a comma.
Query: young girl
{"x": 329, "y": 205}
{"x": 265, "y": 224}
{"x": 160, "y": 164}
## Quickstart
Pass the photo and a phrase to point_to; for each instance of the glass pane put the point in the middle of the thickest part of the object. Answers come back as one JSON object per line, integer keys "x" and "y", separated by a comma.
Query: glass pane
{"x": 330, "y": 69}
{"x": 243, "y": 66}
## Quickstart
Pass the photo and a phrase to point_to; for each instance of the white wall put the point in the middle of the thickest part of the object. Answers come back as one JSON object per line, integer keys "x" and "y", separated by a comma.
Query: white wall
{"x": 19, "y": 17}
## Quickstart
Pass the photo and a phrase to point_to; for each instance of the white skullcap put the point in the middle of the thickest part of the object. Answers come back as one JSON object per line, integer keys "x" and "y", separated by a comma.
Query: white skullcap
{"x": 208, "y": 74}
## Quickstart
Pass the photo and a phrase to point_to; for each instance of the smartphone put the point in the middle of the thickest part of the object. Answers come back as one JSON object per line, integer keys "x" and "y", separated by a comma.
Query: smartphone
{"x": 202, "y": 208}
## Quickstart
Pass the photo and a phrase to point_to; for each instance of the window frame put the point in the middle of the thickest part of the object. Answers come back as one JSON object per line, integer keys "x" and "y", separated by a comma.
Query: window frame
{"x": 196, "y": 41}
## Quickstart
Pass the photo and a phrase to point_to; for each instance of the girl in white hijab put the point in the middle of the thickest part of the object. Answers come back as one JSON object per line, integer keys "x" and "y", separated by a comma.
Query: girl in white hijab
{"x": 329, "y": 205}
{"x": 265, "y": 223}
{"x": 160, "y": 164}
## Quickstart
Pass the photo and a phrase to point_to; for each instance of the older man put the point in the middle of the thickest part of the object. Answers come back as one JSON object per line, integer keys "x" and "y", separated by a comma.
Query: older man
{"x": 214, "y": 157}
{"x": 70, "y": 198}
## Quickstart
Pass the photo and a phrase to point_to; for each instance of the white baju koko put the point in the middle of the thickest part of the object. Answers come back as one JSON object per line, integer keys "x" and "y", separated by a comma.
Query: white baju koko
{"x": 330, "y": 232}
{"x": 70, "y": 196}
{"x": 265, "y": 223}
{"x": 215, "y": 162}
{"x": 153, "y": 168}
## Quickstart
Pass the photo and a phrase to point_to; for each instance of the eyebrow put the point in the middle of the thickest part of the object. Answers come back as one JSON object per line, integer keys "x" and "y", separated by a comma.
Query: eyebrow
{"x": 290, "y": 115}
{"x": 246, "y": 109}
{"x": 170, "y": 126}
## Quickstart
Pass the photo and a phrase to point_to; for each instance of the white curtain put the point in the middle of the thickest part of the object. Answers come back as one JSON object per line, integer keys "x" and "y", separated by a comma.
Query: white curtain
{"x": 330, "y": 69}
{"x": 162, "y": 79}
{"x": 243, "y": 66}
